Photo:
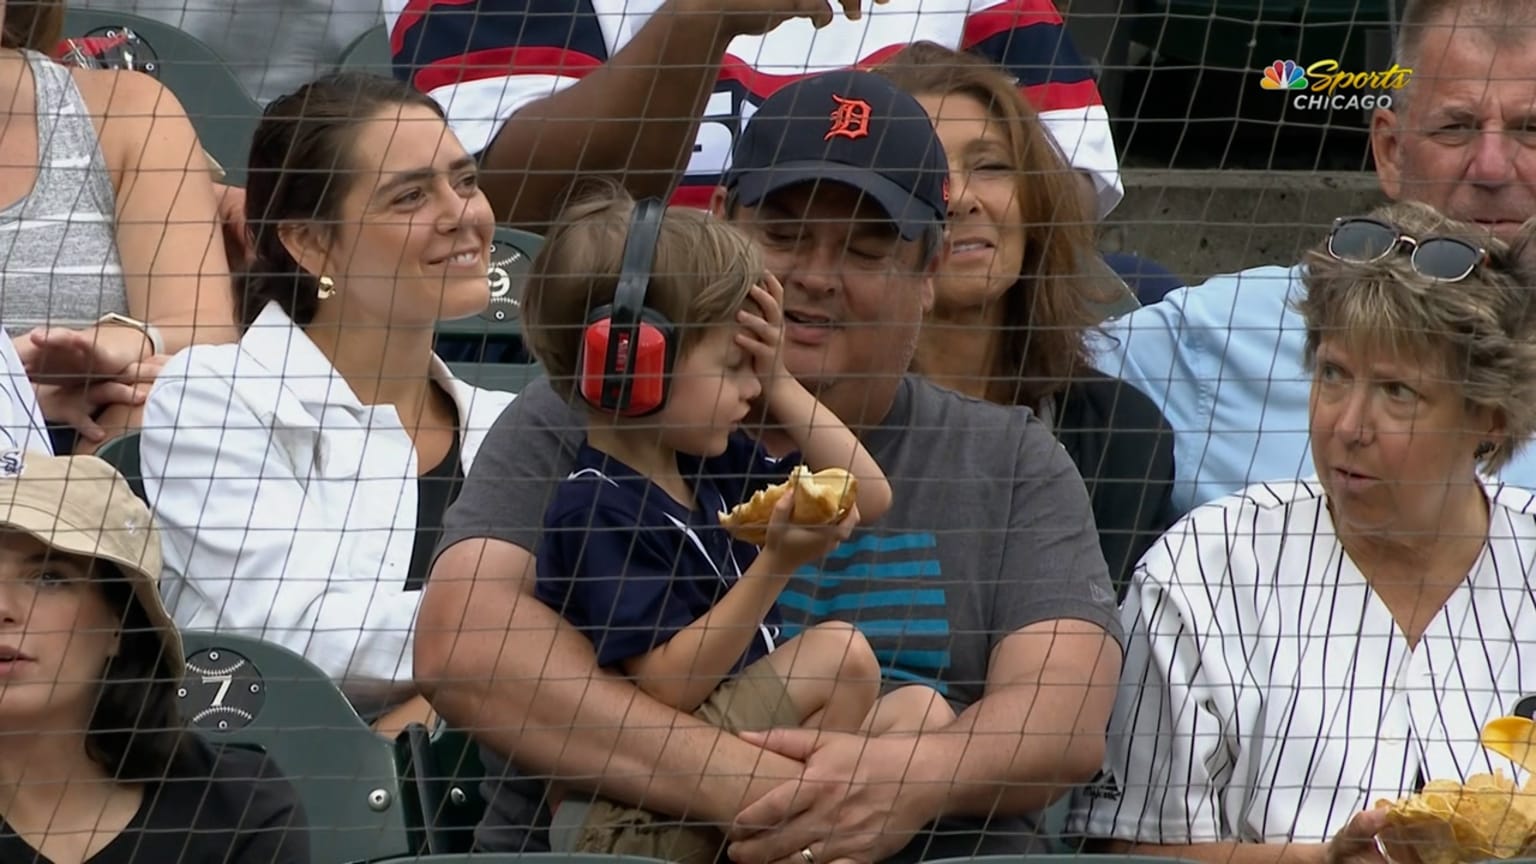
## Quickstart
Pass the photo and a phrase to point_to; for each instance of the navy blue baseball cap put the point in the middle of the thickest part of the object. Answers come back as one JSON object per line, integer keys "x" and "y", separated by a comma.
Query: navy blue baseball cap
{"x": 850, "y": 127}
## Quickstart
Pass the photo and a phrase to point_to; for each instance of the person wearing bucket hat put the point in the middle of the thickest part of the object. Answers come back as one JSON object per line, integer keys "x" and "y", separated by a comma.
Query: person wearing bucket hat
{"x": 984, "y": 580}
{"x": 95, "y": 763}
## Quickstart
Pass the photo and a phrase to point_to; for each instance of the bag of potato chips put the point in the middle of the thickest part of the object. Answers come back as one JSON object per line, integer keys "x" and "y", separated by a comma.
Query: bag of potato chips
{"x": 1485, "y": 818}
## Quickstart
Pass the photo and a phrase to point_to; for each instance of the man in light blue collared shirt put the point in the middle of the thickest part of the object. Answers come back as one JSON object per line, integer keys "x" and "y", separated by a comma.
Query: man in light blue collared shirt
{"x": 1223, "y": 360}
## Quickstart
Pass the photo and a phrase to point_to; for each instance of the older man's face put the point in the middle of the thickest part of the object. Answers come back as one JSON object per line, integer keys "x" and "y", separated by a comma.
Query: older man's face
{"x": 1466, "y": 141}
{"x": 854, "y": 291}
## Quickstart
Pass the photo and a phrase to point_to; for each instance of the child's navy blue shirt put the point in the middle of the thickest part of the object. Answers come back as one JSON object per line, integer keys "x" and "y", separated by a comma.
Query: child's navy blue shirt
{"x": 630, "y": 566}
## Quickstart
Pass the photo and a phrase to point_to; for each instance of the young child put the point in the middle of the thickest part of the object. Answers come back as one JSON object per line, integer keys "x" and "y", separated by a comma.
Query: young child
{"x": 633, "y": 553}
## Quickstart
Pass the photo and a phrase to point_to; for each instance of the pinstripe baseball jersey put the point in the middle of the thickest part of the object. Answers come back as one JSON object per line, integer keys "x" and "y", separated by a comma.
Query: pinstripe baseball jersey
{"x": 483, "y": 60}
{"x": 1268, "y": 694}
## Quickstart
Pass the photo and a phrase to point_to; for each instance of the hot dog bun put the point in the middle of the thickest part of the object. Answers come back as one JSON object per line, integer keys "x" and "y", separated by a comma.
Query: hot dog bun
{"x": 821, "y": 498}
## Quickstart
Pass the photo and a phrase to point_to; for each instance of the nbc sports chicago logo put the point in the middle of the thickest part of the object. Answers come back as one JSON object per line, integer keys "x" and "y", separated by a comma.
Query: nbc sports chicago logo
{"x": 1324, "y": 85}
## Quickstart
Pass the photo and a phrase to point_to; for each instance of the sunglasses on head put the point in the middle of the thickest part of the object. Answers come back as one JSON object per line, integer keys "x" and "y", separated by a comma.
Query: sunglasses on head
{"x": 1366, "y": 241}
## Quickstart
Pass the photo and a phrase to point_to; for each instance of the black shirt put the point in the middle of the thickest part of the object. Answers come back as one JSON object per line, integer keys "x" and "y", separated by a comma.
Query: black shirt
{"x": 1123, "y": 447}
{"x": 225, "y": 805}
{"x": 435, "y": 490}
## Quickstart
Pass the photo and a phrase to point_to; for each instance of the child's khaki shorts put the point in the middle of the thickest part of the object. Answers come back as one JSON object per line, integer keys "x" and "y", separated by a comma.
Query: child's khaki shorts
{"x": 753, "y": 701}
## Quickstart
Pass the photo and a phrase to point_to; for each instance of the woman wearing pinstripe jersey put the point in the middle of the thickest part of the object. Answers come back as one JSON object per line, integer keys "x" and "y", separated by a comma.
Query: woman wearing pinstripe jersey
{"x": 1301, "y": 650}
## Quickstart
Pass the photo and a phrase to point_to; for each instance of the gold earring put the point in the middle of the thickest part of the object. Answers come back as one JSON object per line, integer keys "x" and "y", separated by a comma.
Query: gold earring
{"x": 327, "y": 288}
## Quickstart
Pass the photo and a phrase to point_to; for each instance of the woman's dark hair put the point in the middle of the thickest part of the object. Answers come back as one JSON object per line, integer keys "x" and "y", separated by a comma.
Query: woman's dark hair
{"x": 33, "y": 24}
{"x": 300, "y": 171}
{"x": 136, "y": 732}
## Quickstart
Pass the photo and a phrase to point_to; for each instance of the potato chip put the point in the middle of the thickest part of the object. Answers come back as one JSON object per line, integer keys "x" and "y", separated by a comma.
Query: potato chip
{"x": 1488, "y": 802}
{"x": 1484, "y": 818}
{"x": 1525, "y": 800}
{"x": 1413, "y": 825}
{"x": 1514, "y": 738}
{"x": 1449, "y": 822}
{"x": 1423, "y": 838}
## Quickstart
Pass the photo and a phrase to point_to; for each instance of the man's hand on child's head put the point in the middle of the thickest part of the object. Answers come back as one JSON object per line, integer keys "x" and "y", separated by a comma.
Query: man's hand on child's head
{"x": 794, "y": 545}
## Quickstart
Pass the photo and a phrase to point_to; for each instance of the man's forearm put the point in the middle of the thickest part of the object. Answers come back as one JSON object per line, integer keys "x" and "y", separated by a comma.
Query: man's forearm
{"x": 1015, "y": 751}
{"x": 529, "y": 692}
{"x": 635, "y": 116}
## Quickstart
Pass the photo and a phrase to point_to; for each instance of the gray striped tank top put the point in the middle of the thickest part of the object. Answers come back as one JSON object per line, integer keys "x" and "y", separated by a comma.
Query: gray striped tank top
{"x": 58, "y": 245}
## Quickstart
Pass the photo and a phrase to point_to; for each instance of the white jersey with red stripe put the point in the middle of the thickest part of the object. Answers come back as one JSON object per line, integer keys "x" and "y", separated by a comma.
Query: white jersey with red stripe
{"x": 483, "y": 60}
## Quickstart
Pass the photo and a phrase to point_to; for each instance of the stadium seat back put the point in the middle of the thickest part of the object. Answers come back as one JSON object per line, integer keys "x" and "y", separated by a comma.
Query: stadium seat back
{"x": 243, "y": 691}
{"x": 222, "y": 112}
{"x": 495, "y": 335}
{"x": 369, "y": 53}
{"x": 122, "y": 453}
{"x": 441, "y": 771}
{"x": 503, "y": 377}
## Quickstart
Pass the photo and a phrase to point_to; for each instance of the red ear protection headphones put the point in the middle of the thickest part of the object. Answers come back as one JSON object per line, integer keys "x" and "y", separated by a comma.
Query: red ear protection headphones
{"x": 627, "y": 349}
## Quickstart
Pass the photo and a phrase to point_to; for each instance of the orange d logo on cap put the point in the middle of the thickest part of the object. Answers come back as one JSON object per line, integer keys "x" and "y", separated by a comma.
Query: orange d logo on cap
{"x": 850, "y": 119}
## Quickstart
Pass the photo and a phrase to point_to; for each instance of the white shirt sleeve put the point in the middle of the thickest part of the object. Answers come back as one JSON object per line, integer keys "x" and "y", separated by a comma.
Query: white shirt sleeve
{"x": 21, "y": 420}
{"x": 477, "y": 97}
{"x": 250, "y": 548}
{"x": 1172, "y": 742}
{"x": 1084, "y": 138}
{"x": 478, "y": 109}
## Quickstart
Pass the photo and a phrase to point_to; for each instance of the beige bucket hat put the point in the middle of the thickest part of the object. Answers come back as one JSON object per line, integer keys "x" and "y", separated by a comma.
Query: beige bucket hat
{"x": 83, "y": 506}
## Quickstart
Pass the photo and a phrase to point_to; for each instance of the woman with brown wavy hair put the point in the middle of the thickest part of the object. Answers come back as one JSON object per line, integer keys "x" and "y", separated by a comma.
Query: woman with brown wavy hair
{"x": 1018, "y": 292}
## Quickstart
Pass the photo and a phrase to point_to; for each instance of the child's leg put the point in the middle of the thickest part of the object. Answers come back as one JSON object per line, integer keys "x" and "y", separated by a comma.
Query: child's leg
{"x": 909, "y": 710}
{"x": 831, "y": 675}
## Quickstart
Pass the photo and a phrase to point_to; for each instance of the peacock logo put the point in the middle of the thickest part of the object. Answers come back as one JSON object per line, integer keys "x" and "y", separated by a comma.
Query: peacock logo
{"x": 1284, "y": 75}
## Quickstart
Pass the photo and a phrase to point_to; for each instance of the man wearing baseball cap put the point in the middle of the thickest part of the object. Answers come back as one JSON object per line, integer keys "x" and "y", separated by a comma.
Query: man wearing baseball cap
{"x": 853, "y": 129}
{"x": 984, "y": 581}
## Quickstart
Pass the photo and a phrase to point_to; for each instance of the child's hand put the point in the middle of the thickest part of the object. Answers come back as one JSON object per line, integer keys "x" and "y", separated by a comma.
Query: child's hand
{"x": 762, "y": 335}
{"x": 795, "y": 545}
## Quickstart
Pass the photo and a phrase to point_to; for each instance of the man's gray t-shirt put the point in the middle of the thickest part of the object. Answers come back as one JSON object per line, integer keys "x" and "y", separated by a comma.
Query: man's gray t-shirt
{"x": 989, "y": 531}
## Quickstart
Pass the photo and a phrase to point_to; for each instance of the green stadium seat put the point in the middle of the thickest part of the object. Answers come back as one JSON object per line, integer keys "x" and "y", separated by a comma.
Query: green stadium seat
{"x": 495, "y": 335}
{"x": 370, "y": 53}
{"x": 512, "y": 254}
{"x": 505, "y": 377}
{"x": 520, "y": 858}
{"x": 243, "y": 691}
{"x": 441, "y": 773}
{"x": 122, "y": 453}
{"x": 222, "y": 112}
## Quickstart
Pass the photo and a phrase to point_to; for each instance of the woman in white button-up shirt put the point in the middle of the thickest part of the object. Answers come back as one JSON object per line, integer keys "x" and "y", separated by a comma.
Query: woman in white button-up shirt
{"x": 301, "y": 475}
{"x": 1301, "y": 650}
